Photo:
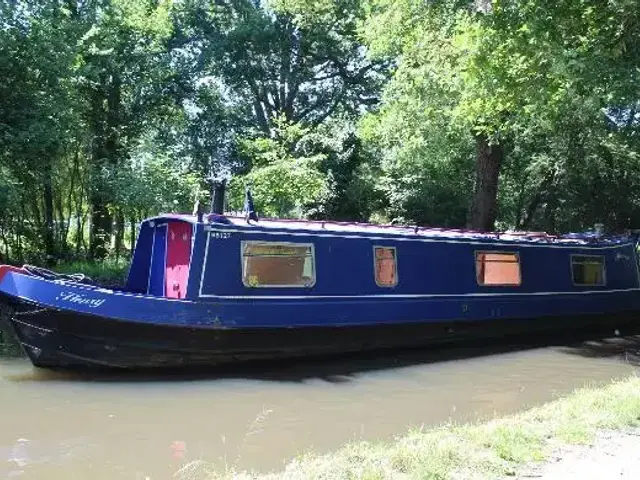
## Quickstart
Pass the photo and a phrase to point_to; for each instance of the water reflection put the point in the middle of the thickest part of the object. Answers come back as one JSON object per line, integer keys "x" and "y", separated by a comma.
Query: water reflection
{"x": 59, "y": 425}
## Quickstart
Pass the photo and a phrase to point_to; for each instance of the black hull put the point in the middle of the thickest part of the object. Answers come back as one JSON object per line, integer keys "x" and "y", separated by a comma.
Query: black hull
{"x": 63, "y": 339}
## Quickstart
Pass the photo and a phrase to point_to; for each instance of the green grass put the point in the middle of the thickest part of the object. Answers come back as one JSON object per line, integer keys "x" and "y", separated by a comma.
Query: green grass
{"x": 9, "y": 346}
{"x": 108, "y": 272}
{"x": 494, "y": 449}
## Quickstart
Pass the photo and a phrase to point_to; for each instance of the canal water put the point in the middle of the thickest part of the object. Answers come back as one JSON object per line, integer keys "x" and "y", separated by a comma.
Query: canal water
{"x": 70, "y": 426}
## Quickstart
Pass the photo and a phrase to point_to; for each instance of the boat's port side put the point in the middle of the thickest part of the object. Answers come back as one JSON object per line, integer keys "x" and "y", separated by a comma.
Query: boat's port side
{"x": 254, "y": 264}
{"x": 63, "y": 339}
{"x": 201, "y": 293}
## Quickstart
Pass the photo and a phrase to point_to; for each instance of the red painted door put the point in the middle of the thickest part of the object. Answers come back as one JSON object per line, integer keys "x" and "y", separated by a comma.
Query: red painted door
{"x": 178, "y": 256}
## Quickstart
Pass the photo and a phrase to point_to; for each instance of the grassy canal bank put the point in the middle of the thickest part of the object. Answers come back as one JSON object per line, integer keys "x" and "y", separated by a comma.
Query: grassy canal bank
{"x": 500, "y": 448}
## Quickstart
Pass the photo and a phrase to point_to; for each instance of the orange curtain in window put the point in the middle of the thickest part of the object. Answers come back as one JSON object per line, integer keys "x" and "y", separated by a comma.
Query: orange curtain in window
{"x": 498, "y": 269}
{"x": 275, "y": 270}
{"x": 386, "y": 267}
{"x": 274, "y": 264}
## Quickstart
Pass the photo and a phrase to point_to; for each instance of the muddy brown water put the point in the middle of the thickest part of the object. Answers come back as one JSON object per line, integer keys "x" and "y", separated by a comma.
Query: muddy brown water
{"x": 70, "y": 426}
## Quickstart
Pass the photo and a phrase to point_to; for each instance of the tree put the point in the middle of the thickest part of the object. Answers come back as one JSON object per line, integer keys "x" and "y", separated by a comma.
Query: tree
{"x": 152, "y": 180}
{"x": 493, "y": 70}
{"x": 123, "y": 69}
{"x": 284, "y": 177}
{"x": 36, "y": 111}
{"x": 272, "y": 64}
{"x": 280, "y": 60}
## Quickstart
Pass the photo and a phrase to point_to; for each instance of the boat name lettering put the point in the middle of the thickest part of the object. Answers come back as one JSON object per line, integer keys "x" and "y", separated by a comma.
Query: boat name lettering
{"x": 622, "y": 256}
{"x": 81, "y": 299}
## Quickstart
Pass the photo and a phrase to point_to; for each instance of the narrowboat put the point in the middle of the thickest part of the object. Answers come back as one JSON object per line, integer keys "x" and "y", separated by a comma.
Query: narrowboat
{"x": 206, "y": 289}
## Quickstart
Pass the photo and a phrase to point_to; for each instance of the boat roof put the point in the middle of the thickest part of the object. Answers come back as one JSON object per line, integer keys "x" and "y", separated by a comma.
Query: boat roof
{"x": 327, "y": 226}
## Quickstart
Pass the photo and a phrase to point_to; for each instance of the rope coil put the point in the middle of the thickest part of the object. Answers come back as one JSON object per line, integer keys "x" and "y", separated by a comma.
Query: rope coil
{"x": 49, "y": 275}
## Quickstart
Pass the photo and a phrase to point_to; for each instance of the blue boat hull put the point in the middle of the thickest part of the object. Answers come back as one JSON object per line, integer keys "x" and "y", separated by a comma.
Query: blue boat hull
{"x": 55, "y": 338}
{"x": 63, "y": 324}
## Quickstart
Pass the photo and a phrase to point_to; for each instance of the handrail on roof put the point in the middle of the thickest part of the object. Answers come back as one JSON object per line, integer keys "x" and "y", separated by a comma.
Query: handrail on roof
{"x": 415, "y": 229}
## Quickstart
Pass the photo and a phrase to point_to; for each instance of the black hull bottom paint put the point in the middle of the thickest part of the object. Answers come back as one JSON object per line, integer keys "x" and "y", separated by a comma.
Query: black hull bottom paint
{"x": 62, "y": 339}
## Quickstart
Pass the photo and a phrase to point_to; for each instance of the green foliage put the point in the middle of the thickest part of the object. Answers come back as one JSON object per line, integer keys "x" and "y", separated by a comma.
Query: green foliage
{"x": 8, "y": 192}
{"x": 108, "y": 273}
{"x": 322, "y": 172}
{"x": 9, "y": 346}
{"x": 515, "y": 63}
{"x": 284, "y": 58}
{"x": 284, "y": 181}
{"x": 426, "y": 166}
{"x": 151, "y": 181}
{"x": 520, "y": 74}
{"x": 351, "y": 169}
{"x": 115, "y": 110}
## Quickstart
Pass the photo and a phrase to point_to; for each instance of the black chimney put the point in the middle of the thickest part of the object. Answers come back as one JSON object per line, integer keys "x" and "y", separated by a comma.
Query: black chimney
{"x": 217, "y": 196}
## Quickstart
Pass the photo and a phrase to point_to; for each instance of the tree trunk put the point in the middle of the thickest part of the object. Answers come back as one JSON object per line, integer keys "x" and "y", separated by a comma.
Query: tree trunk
{"x": 79, "y": 214}
{"x": 105, "y": 156}
{"x": 132, "y": 222}
{"x": 49, "y": 214}
{"x": 483, "y": 207}
{"x": 4, "y": 241}
{"x": 101, "y": 228}
{"x": 19, "y": 256}
{"x": 62, "y": 228}
{"x": 119, "y": 233}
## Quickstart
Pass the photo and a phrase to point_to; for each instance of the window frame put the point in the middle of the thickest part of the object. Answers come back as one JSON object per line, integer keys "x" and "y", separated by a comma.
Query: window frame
{"x": 604, "y": 269}
{"x": 271, "y": 243}
{"x": 395, "y": 266}
{"x": 503, "y": 252}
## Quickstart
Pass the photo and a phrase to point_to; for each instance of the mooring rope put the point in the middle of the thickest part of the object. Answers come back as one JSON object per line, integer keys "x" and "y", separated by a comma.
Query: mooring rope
{"x": 49, "y": 275}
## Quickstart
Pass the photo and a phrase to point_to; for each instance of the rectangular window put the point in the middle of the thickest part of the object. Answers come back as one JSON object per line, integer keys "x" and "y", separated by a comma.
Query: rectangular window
{"x": 498, "y": 268}
{"x": 588, "y": 270}
{"x": 386, "y": 268}
{"x": 278, "y": 264}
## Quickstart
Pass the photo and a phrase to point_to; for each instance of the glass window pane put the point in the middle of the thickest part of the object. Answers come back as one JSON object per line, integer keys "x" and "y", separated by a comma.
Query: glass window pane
{"x": 271, "y": 264}
{"x": 588, "y": 270}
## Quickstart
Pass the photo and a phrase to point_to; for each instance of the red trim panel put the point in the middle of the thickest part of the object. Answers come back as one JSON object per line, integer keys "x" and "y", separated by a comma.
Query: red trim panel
{"x": 178, "y": 258}
{"x": 4, "y": 269}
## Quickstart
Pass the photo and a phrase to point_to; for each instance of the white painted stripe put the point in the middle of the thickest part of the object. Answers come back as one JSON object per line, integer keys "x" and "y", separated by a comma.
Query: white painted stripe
{"x": 204, "y": 265}
{"x": 490, "y": 241}
{"x": 417, "y": 295}
{"x": 153, "y": 246}
{"x": 636, "y": 260}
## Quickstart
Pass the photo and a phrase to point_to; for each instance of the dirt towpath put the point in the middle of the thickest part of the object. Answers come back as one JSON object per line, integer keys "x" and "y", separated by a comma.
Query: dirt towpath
{"x": 612, "y": 455}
